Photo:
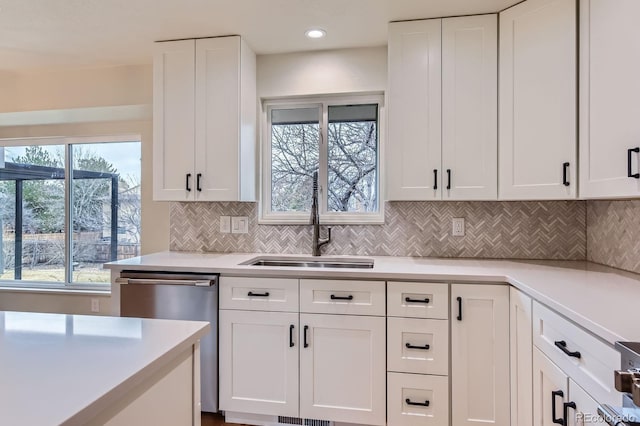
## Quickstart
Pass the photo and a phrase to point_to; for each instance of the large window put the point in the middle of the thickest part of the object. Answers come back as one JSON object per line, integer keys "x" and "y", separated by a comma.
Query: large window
{"x": 347, "y": 163}
{"x": 90, "y": 186}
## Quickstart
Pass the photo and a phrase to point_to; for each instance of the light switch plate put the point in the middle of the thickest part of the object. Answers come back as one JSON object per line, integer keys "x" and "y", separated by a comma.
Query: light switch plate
{"x": 239, "y": 224}
{"x": 457, "y": 229}
{"x": 225, "y": 224}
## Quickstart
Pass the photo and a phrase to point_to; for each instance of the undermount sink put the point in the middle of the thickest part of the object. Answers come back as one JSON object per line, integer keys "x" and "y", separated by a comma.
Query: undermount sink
{"x": 311, "y": 263}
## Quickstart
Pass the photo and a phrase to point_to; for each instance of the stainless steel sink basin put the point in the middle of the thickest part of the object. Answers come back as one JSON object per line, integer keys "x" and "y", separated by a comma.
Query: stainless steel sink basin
{"x": 311, "y": 263}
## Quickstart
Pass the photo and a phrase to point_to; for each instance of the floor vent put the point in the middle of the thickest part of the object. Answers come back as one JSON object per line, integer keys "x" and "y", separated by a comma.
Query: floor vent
{"x": 305, "y": 422}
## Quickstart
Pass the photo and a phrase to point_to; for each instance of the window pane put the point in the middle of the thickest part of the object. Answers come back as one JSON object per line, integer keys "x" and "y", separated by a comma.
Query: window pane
{"x": 295, "y": 136}
{"x": 106, "y": 207}
{"x": 34, "y": 177}
{"x": 353, "y": 158}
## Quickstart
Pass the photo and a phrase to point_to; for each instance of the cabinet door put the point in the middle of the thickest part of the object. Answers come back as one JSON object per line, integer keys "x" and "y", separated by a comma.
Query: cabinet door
{"x": 550, "y": 390}
{"x": 538, "y": 100}
{"x": 521, "y": 341}
{"x": 470, "y": 108}
{"x": 217, "y": 118}
{"x": 609, "y": 93}
{"x": 173, "y": 118}
{"x": 342, "y": 368}
{"x": 259, "y": 362}
{"x": 586, "y": 408}
{"x": 413, "y": 147}
{"x": 480, "y": 354}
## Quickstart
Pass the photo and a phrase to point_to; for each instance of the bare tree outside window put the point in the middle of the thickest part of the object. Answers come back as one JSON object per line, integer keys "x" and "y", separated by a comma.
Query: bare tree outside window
{"x": 351, "y": 158}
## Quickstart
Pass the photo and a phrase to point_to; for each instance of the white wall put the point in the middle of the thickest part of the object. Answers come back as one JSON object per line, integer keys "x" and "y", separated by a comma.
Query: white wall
{"x": 322, "y": 72}
{"x": 81, "y": 88}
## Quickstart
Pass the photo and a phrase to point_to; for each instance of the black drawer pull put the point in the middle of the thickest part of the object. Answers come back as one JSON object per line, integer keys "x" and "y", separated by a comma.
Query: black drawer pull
{"x": 448, "y": 178}
{"x": 187, "y": 186}
{"x": 562, "y": 345}
{"x": 565, "y": 174}
{"x": 435, "y": 178}
{"x": 252, "y": 294}
{"x": 291, "y": 327}
{"x": 198, "y": 177}
{"x": 629, "y": 172}
{"x": 565, "y": 411}
{"x": 349, "y": 297}
{"x": 410, "y": 300}
{"x": 304, "y": 335}
{"x": 421, "y": 404}
{"x": 554, "y": 394}
{"x": 424, "y": 348}
{"x": 459, "y": 317}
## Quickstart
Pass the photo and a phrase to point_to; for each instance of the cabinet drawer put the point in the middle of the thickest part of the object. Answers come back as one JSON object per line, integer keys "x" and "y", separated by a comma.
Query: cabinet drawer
{"x": 342, "y": 297}
{"x": 418, "y": 300}
{"x": 403, "y": 389}
{"x": 259, "y": 294}
{"x": 407, "y": 339}
{"x": 593, "y": 369}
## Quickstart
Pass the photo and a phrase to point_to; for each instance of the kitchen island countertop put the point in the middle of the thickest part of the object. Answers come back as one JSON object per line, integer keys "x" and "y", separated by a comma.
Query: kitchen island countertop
{"x": 66, "y": 369}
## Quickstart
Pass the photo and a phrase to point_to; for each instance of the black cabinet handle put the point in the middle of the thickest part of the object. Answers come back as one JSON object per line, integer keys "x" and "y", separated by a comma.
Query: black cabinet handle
{"x": 410, "y": 300}
{"x": 421, "y": 404}
{"x": 565, "y": 174}
{"x": 629, "y": 173}
{"x": 563, "y": 347}
{"x": 435, "y": 178}
{"x": 424, "y": 348}
{"x": 304, "y": 335}
{"x": 554, "y": 394}
{"x": 291, "y": 327}
{"x": 188, "y": 188}
{"x": 198, "y": 177}
{"x": 565, "y": 412}
{"x": 459, "y": 299}
{"x": 448, "y": 178}
{"x": 349, "y": 297}
{"x": 265, "y": 294}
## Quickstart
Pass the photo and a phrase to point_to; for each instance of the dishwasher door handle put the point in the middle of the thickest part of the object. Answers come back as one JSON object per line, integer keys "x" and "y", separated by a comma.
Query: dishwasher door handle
{"x": 150, "y": 281}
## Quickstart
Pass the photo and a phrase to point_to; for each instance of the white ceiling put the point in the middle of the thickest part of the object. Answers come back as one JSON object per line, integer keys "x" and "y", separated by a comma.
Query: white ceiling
{"x": 37, "y": 34}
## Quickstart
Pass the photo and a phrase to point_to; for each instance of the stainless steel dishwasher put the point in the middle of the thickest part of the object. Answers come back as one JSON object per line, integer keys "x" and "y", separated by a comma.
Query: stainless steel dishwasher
{"x": 181, "y": 296}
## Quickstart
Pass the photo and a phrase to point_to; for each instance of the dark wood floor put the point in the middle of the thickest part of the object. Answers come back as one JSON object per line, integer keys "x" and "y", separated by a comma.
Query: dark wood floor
{"x": 209, "y": 419}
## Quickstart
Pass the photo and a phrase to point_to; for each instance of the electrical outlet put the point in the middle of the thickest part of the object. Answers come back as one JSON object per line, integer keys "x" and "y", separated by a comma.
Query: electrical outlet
{"x": 95, "y": 305}
{"x": 239, "y": 224}
{"x": 225, "y": 224}
{"x": 457, "y": 229}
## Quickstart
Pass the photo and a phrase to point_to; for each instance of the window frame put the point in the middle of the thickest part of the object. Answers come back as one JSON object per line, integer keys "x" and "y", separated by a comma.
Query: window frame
{"x": 67, "y": 142}
{"x": 268, "y": 217}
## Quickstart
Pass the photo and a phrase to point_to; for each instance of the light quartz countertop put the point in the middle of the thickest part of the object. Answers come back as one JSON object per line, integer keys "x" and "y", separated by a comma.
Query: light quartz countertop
{"x": 602, "y": 300}
{"x": 65, "y": 369}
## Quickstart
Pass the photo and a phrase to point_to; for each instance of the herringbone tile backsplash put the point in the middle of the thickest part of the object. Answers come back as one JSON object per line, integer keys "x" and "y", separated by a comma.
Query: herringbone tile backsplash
{"x": 613, "y": 233}
{"x": 517, "y": 230}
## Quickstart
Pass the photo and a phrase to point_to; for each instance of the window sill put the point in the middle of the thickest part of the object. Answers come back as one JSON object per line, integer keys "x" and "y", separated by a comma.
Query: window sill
{"x": 373, "y": 219}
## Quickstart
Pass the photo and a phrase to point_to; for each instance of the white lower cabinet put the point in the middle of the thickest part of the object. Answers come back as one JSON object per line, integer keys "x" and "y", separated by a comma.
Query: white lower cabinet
{"x": 558, "y": 399}
{"x": 480, "y": 354}
{"x": 417, "y": 400}
{"x": 259, "y": 362}
{"x": 342, "y": 368}
{"x": 521, "y": 340}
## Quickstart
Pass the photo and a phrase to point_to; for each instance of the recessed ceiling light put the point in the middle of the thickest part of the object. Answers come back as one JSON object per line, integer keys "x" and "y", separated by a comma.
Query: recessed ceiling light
{"x": 315, "y": 33}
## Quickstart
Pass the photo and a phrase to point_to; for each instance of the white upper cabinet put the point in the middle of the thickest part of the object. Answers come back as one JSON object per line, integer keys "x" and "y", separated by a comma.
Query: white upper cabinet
{"x": 204, "y": 120}
{"x": 442, "y": 130}
{"x": 414, "y": 138}
{"x": 609, "y": 93}
{"x": 538, "y": 81}
{"x": 173, "y": 118}
{"x": 470, "y": 108}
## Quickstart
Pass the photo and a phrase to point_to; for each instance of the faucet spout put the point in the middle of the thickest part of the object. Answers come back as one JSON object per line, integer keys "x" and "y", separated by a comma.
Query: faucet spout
{"x": 317, "y": 242}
